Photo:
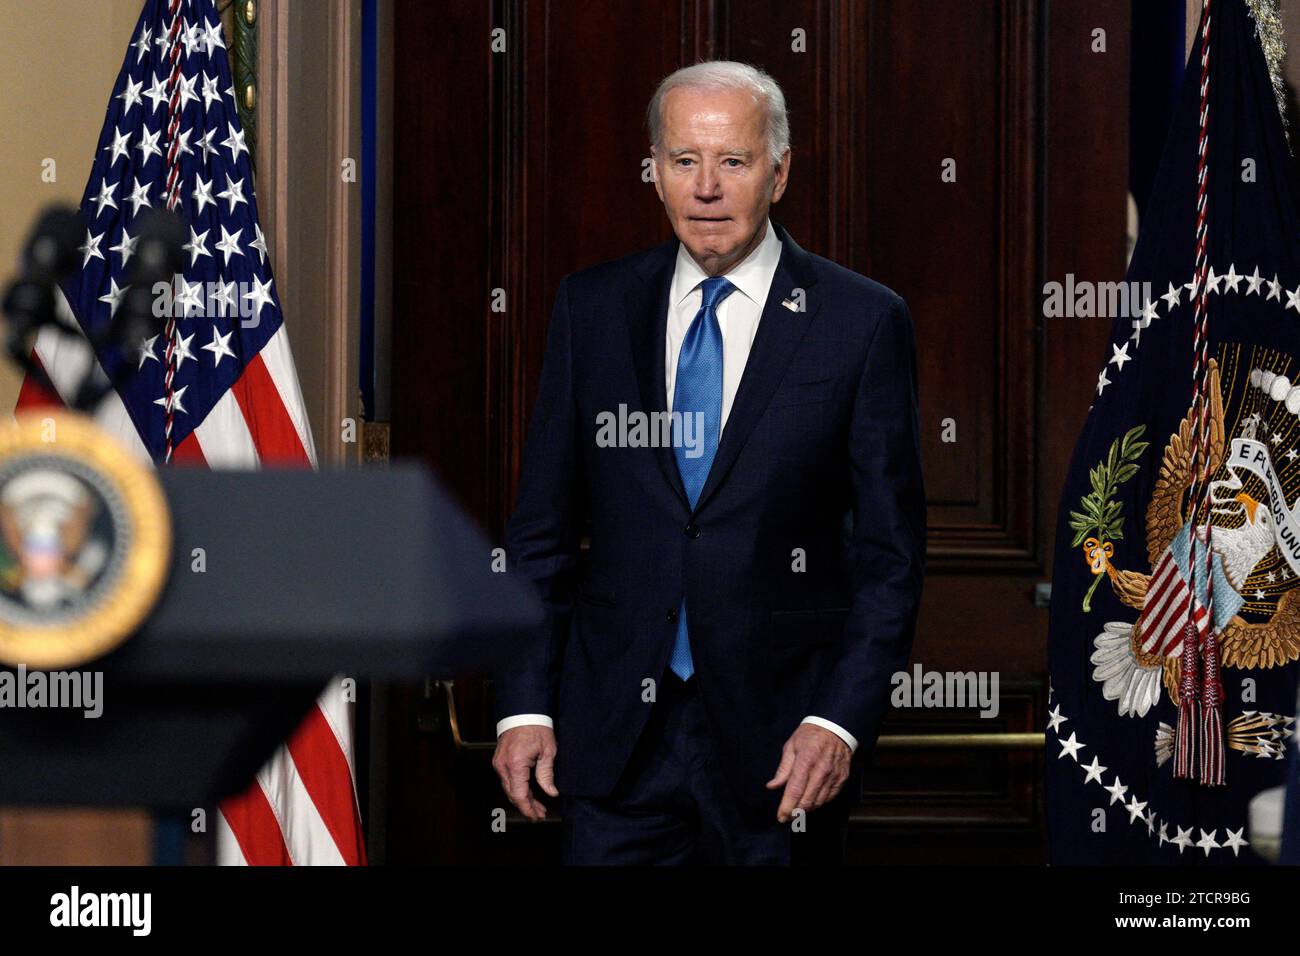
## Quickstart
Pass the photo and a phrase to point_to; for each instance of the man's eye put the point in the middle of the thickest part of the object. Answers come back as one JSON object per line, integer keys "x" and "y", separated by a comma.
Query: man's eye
{"x": 737, "y": 162}
{"x": 683, "y": 161}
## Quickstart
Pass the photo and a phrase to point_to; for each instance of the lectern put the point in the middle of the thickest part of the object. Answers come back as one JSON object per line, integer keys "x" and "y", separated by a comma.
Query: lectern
{"x": 247, "y": 591}
{"x": 279, "y": 580}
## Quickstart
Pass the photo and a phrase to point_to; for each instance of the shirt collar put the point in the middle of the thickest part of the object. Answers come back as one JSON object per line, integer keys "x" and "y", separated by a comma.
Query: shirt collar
{"x": 752, "y": 276}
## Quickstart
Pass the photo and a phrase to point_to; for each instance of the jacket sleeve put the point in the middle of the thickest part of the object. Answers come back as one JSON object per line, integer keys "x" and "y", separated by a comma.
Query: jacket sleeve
{"x": 886, "y": 552}
{"x": 543, "y": 533}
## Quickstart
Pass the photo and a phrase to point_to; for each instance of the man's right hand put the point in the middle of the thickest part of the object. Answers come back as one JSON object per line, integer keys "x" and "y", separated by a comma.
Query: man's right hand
{"x": 519, "y": 750}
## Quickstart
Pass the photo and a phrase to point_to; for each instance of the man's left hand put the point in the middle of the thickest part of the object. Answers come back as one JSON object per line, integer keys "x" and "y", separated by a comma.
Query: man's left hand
{"x": 814, "y": 765}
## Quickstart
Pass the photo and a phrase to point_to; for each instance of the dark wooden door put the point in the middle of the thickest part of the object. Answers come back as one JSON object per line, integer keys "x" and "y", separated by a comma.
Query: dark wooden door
{"x": 519, "y": 157}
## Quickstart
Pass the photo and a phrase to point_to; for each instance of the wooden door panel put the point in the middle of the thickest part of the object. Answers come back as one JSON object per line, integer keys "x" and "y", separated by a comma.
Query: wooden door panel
{"x": 525, "y": 164}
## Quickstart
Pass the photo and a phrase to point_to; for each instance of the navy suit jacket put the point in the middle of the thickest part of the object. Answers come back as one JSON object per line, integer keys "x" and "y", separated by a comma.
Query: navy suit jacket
{"x": 801, "y": 564}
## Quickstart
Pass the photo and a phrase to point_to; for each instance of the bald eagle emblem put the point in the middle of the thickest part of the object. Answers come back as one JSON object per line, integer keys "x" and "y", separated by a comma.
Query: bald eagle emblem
{"x": 1254, "y": 546}
{"x": 52, "y": 551}
{"x": 85, "y": 541}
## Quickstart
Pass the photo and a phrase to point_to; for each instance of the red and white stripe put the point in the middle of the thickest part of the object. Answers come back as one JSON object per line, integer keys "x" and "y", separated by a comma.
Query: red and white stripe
{"x": 302, "y": 808}
{"x": 1164, "y": 615}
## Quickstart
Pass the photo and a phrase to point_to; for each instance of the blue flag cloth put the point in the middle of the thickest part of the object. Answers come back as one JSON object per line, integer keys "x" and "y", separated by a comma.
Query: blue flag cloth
{"x": 1291, "y": 809}
{"x": 1168, "y": 670}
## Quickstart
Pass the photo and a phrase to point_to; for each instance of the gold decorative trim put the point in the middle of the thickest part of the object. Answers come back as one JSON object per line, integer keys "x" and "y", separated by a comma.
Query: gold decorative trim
{"x": 1012, "y": 741}
{"x": 239, "y": 19}
{"x": 1008, "y": 741}
{"x": 148, "y": 541}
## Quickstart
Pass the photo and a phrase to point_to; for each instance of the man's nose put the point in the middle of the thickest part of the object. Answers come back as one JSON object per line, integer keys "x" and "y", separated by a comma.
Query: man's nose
{"x": 707, "y": 184}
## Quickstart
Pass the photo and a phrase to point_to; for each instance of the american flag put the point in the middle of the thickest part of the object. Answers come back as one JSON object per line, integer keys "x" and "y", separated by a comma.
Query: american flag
{"x": 217, "y": 387}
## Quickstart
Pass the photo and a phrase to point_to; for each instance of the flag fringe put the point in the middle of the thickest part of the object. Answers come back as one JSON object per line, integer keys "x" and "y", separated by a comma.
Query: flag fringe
{"x": 1268, "y": 28}
{"x": 1211, "y": 746}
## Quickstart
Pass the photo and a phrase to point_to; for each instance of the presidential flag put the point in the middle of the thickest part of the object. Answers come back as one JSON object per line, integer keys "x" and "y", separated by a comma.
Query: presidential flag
{"x": 217, "y": 386}
{"x": 1175, "y": 617}
{"x": 1290, "y": 852}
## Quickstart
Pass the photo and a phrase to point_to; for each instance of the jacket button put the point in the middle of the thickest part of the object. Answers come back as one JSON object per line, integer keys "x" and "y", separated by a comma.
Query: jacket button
{"x": 672, "y": 616}
{"x": 692, "y": 530}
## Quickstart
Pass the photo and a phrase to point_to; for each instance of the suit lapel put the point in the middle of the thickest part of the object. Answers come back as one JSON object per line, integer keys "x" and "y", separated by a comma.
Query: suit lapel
{"x": 779, "y": 333}
{"x": 646, "y": 308}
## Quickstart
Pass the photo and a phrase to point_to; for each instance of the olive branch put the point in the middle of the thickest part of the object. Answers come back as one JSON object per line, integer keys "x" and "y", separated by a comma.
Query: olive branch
{"x": 1101, "y": 515}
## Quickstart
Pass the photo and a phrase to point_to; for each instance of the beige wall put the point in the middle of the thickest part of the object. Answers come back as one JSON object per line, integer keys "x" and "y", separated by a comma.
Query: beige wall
{"x": 58, "y": 62}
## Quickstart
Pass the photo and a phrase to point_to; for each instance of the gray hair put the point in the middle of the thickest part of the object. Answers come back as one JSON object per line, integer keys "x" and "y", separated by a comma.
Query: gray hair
{"x": 727, "y": 75}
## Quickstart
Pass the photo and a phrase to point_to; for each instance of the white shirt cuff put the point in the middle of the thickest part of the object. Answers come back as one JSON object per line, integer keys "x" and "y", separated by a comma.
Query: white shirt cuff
{"x": 523, "y": 720}
{"x": 834, "y": 728}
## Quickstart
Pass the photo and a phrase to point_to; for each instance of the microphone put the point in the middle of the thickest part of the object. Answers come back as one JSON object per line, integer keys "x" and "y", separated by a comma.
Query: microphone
{"x": 159, "y": 255}
{"x": 29, "y": 301}
{"x": 52, "y": 254}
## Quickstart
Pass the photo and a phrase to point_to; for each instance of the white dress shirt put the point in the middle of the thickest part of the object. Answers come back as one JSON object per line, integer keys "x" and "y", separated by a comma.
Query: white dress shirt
{"x": 738, "y": 317}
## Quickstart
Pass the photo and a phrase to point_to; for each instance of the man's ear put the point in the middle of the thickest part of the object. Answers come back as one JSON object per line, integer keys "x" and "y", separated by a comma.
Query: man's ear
{"x": 782, "y": 176}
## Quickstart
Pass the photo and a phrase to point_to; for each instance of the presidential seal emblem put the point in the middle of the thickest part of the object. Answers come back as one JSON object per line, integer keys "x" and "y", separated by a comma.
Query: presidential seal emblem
{"x": 85, "y": 539}
{"x": 1253, "y": 552}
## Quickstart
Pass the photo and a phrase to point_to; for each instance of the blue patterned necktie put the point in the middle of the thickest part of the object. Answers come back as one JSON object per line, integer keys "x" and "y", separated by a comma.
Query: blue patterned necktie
{"x": 698, "y": 392}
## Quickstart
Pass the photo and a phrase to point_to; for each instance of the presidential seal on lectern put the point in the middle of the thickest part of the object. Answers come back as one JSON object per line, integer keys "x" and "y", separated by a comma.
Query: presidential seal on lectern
{"x": 85, "y": 541}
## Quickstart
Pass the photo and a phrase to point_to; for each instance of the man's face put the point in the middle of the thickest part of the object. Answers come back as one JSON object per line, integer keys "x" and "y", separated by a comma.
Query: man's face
{"x": 714, "y": 175}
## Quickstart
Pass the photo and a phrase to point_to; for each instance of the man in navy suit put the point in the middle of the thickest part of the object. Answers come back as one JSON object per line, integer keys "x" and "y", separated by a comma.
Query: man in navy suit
{"x": 734, "y": 421}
